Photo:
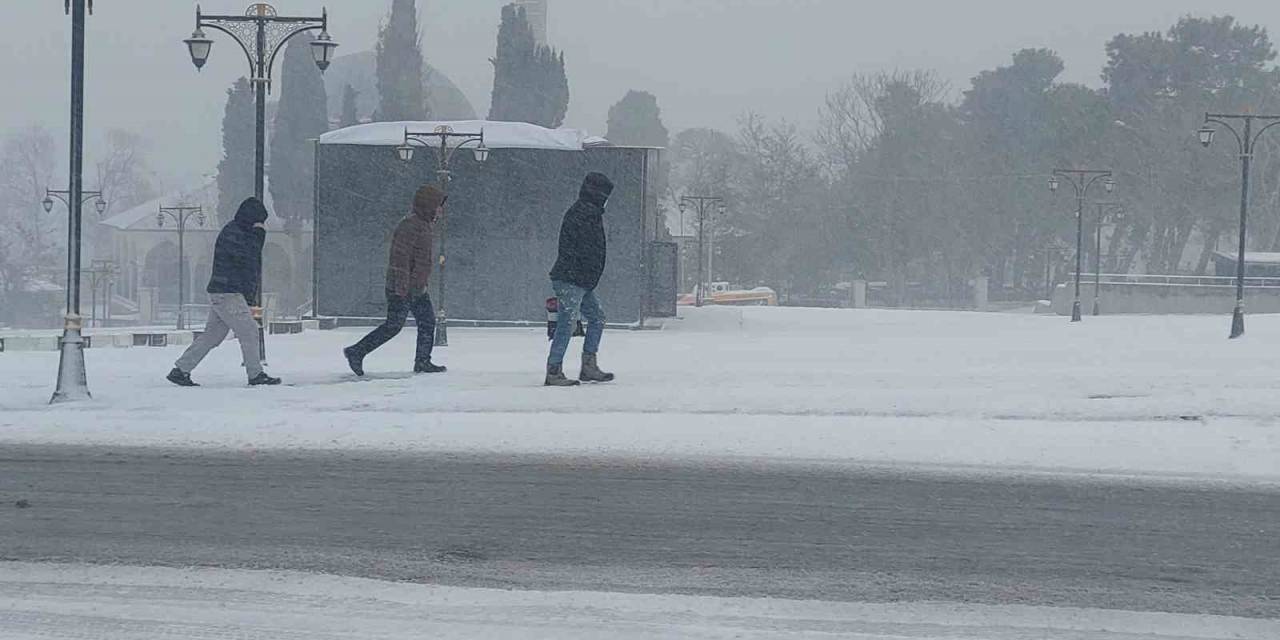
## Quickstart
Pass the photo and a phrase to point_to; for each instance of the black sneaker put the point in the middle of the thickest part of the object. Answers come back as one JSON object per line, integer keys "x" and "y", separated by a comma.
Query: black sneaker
{"x": 354, "y": 360}
{"x": 180, "y": 378}
{"x": 429, "y": 367}
{"x": 262, "y": 379}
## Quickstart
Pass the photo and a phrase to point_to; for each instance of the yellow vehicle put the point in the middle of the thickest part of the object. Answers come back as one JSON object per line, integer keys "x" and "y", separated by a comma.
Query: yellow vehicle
{"x": 721, "y": 294}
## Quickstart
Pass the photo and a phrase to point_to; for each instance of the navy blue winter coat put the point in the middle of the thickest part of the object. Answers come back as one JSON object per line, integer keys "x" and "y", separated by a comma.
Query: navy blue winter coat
{"x": 237, "y": 255}
{"x": 583, "y": 248}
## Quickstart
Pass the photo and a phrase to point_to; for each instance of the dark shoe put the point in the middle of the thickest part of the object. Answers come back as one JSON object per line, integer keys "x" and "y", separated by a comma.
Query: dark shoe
{"x": 591, "y": 371}
{"x": 429, "y": 367}
{"x": 354, "y": 360}
{"x": 262, "y": 379}
{"x": 556, "y": 378}
{"x": 180, "y": 378}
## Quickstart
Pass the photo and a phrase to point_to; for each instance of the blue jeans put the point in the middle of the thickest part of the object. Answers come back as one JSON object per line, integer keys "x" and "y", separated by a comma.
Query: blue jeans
{"x": 573, "y": 300}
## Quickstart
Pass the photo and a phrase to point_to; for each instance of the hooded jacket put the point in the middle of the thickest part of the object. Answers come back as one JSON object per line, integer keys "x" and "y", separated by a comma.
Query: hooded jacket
{"x": 237, "y": 254}
{"x": 583, "y": 249}
{"x": 409, "y": 263}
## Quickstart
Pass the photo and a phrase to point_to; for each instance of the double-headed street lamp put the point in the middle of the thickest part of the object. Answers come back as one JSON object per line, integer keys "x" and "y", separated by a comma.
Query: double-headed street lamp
{"x": 64, "y": 195}
{"x": 261, "y": 33}
{"x": 1247, "y": 141}
{"x": 1081, "y": 180}
{"x": 1107, "y": 212}
{"x": 181, "y": 215}
{"x": 445, "y": 142}
{"x": 703, "y": 204}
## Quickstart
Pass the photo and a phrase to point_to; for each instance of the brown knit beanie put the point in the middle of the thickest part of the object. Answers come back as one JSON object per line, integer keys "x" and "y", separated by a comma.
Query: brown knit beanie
{"x": 427, "y": 200}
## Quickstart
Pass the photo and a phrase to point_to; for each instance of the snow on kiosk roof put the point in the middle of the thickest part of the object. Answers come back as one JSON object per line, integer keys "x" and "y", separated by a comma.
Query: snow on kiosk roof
{"x": 497, "y": 135}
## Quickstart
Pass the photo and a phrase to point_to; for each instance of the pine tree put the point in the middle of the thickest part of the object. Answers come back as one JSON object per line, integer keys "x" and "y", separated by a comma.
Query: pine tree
{"x": 636, "y": 120}
{"x": 529, "y": 81}
{"x": 350, "y": 110}
{"x": 402, "y": 93}
{"x": 301, "y": 116}
{"x": 235, "y": 170}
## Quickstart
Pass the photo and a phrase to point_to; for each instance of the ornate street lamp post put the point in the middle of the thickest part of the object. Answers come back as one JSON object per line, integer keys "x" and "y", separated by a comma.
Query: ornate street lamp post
{"x": 73, "y": 384}
{"x": 261, "y": 33}
{"x": 1081, "y": 180}
{"x": 445, "y": 142}
{"x": 1247, "y": 141}
{"x": 181, "y": 215}
{"x": 702, "y": 203}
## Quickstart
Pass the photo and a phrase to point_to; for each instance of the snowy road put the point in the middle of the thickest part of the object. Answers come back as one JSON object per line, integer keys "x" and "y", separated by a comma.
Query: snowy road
{"x": 42, "y": 601}
{"x": 723, "y": 530}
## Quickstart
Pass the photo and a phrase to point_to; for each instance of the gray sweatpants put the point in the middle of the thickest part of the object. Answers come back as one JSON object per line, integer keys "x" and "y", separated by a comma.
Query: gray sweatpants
{"x": 227, "y": 311}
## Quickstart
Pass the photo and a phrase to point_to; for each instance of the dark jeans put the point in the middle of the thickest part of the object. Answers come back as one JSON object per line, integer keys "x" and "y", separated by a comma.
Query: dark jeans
{"x": 398, "y": 309}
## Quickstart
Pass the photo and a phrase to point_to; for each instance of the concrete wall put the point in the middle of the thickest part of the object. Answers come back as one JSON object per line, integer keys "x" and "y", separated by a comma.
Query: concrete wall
{"x": 1153, "y": 298}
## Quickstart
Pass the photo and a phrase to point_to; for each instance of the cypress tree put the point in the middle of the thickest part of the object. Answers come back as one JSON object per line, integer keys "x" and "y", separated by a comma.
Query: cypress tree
{"x": 529, "y": 81}
{"x": 636, "y": 120}
{"x": 402, "y": 93}
{"x": 555, "y": 88}
{"x": 235, "y": 170}
{"x": 350, "y": 110}
{"x": 301, "y": 115}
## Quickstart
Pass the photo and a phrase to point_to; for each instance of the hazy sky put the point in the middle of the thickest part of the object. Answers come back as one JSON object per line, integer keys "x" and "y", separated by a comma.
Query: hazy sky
{"x": 707, "y": 60}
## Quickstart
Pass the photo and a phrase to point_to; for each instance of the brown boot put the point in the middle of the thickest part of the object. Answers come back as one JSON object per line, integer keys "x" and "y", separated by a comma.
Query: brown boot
{"x": 591, "y": 371}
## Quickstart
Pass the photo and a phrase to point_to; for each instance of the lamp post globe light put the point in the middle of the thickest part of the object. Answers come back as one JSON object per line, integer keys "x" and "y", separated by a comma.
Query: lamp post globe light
{"x": 1247, "y": 142}
{"x": 445, "y": 142}
{"x": 1081, "y": 180}
{"x": 64, "y": 196}
{"x": 261, "y": 33}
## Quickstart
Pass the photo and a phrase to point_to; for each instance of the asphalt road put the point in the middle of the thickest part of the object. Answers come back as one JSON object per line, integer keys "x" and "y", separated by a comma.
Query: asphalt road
{"x": 750, "y": 529}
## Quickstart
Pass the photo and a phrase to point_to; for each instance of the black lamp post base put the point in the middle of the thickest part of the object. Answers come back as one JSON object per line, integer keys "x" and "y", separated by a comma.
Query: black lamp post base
{"x": 442, "y": 332}
{"x": 1237, "y": 322}
{"x": 1075, "y": 311}
{"x": 73, "y": 384}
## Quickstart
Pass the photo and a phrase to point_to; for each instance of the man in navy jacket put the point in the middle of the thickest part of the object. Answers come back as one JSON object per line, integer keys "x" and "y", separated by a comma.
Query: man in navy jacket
{"x": 579, "y": 265}
{"x": 233, "y": 288}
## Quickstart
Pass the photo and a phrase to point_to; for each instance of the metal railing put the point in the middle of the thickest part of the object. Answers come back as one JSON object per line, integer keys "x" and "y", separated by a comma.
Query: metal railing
{"x": 1256, "y": 282}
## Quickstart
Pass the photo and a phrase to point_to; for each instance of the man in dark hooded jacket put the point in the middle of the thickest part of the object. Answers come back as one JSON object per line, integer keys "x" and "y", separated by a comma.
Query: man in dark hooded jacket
{"x": 408, "y": 272}
{"x": 233, "y": 287}
{"x": 574, "y": 278}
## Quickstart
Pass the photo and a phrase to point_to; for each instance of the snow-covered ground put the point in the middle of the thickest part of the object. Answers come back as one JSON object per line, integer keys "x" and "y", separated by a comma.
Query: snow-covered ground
{"x": 71, "y": 601}
{"x": 1167, "y": 396}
